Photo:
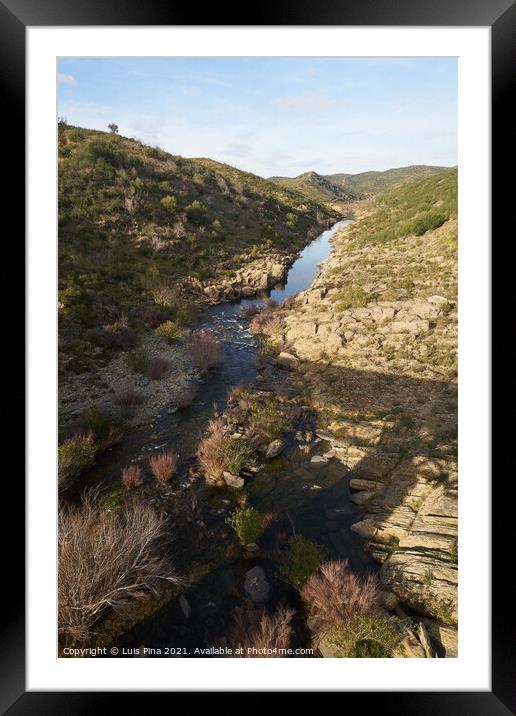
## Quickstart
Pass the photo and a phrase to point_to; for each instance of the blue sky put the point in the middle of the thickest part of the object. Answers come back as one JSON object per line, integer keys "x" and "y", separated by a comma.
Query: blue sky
{"x": 273, "y": 115}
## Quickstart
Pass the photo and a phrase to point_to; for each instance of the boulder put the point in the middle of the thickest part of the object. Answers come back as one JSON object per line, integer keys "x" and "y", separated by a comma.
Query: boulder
{"x": 275, "y": 448}
{"x": 256, "y": 586}
{"x": 234, "y": 481}
{"x": 287, "y": 360}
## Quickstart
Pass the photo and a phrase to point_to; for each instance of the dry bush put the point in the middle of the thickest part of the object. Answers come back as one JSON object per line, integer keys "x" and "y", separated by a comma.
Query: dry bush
{"x": 212, "y": 453}
{"x": 261, "y": 320}
{"x": 127, "y": 397}
{"x": 187, "y": 396}
{"x": 270, "y": 302}
{"x": 163, "y": 466}
{"x": 156, "y": 367}
{"x": 106, "y": 561}
{"x": 334, "y": 595}
{"x": 132, "y": 476}
{"x": 248, "y": 312}
{"x": 260, "y": 634}
{"x": 205, "y": 350}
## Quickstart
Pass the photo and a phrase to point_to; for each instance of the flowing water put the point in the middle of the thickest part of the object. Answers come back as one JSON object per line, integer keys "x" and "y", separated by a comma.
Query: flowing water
{"x": 310, "y": 500}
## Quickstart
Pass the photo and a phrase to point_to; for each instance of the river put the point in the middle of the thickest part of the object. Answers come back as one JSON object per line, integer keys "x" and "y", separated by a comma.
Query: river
{"x": 310, "y": 499}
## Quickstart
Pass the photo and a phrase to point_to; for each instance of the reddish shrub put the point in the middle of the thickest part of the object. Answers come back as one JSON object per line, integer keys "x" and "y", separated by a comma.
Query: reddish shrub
{"x": 132, "y": 476}
{"x": 156, "y": 367}
{"x": 259, "y": 634}
{"x": 334, "y": 595}
{"x": 205, "y": 350}
{"x": 248, "y": 312}
{"x": 163, "y": 466}
{"x": 128, "y": 397}
{"x": 270, "y": 302}
{"x": 187, "y": 396}
{"x": 150, "y": 316}
{"x": 212, "y": 453}
{"x": 261, "y": 320}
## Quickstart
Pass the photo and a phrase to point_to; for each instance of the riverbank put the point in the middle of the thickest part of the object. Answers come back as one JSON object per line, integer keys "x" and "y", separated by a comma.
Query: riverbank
{"x": 371, "y": 348}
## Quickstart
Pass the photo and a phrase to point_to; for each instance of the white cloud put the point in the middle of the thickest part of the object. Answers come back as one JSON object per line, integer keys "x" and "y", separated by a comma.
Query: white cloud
{"x": 306, "y": 102}
{"x": 66, "y": 79}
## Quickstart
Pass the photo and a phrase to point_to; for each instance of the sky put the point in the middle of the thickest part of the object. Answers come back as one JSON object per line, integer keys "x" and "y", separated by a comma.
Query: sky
{"x": 273, "y": 116}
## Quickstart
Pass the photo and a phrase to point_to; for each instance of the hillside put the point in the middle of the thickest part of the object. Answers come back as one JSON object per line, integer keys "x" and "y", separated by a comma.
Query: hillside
{"x": 319, "y": 188}
{"x": 367, "y": 183}
{"x": 141, "y": 232}
{"x": 372, "y": 347}
{"x": 343, "y": 189}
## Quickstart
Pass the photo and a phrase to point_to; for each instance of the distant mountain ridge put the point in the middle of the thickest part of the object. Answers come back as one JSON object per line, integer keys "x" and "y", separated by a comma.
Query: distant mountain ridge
{"x": 341, "y": 187}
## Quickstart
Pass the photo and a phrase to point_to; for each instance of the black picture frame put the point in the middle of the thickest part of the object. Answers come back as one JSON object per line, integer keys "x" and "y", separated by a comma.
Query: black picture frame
{"x": 15, "y": 17}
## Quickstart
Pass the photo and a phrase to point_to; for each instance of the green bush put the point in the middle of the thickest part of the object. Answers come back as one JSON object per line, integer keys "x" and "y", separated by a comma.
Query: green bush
{"x": 137, "y": 359}
{"x": 169, "y": 331}
{"x": 291, "y": 220}
{"x": 352, "y": 297}
{"x": 104, "y": 428}
{"x": 195, "y": 212}
{"x": 169, "y": 203}
{"x": 271, "y": 417}
{"x": 426, "y": 222}
{"x": 247, "y": 523}
{"x": 239, "y": 454}
{"x": 74, "y": 455}
{"x": 305, "y": 559}
{"x": 365, "y": 637}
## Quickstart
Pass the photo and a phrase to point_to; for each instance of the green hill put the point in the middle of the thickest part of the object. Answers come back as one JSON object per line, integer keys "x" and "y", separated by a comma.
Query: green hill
{"x": 342, "y": 189}
{"x": 137, "y": 226}
{"x": 319, "y": 188}
{"x": 374, "y": 182}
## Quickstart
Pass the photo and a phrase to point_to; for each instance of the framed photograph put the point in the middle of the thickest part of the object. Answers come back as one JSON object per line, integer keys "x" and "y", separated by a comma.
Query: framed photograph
{"x": 258, "y": 364}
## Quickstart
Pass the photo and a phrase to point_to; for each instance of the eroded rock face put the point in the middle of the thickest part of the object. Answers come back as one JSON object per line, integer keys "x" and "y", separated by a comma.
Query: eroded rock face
{"x": 259, "y": 275}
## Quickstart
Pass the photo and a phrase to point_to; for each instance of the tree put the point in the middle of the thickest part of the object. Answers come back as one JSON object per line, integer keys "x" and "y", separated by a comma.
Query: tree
{"x": 113, "y": 128}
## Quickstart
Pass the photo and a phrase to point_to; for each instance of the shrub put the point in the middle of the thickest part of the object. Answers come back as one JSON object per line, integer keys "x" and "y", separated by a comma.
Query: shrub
{"x": 247, "y": 523}
{"x": 205, "y": 350}
{"x": 291, "y": 220}
{"x": 127, "y": 397}
{"x": 239, "y": 454}
{"x": 74, "y": 455}
{"x": 169, "y": 331}
{"x": 195, "y": 212}
{"x": 137, "y": 359}
{"x": 111, "y": 339}
{"x": 261, "y": 320}
{"x": 352, "y": 297}
{"x": 304, "y": 559}
{"x": 271, "y": 418}
{"x": 269, "y": 302}
{"x": 169, "y": 203}
{"x": 259, "y": 634}
{"x": 105, "y": 429}
{"x": 211, "y": 452}
{"x": 150, "y": 316}
{"x": 426, "y": 222}
{"x": 156, "y": 367}
{"x": 132, "y": 476}
{"x": 249, "y": 312}
{"x": 186, "y": 396}
{"x": 106, "y": 561}
{"x": 365, "y": 637}
{"x": 334, "y": 595}
{"x": 163, "y": 466}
